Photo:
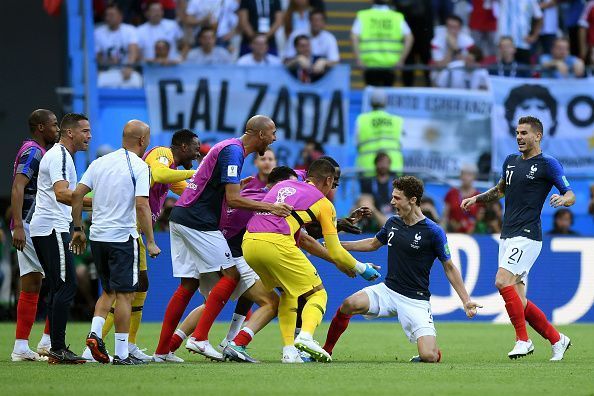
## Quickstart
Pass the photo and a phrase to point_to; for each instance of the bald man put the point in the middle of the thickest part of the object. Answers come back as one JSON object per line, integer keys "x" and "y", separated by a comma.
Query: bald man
{"x": 197, "y": 244}
{"x": 121, "y": 183}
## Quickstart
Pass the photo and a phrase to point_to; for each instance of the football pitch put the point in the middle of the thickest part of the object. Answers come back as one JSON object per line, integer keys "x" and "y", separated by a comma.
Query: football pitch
{"x": 370, "y": 359}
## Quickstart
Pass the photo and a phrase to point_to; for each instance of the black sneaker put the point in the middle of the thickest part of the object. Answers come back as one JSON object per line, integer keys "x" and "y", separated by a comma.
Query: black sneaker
{"x": 129, "y": 361}
{"x": 136, "y": 360}
{"x": 97, "y": 347}
{"x": 65, "y": 356}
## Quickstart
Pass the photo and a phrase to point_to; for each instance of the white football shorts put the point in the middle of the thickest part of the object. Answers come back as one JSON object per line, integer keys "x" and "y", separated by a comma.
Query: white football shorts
{"x": 518, "y": 254}
{"x": 28, "y": 261}
{"x": 414, "y": 315}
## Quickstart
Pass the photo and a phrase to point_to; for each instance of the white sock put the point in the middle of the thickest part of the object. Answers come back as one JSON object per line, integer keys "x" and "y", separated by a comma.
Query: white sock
{"x": 21, "y": 345}
{"x": 45, "y": 339}
{"x": 97, "y": 325}
{"x": 236, "y": 323}
{"x": 181, "y": 334}
{"x": 121, "y": 345}
{"x": 249, "y": 331}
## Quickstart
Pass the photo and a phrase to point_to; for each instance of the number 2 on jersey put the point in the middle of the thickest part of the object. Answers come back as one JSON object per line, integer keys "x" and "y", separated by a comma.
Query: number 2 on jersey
{"x": 508, "y": 177}
{"x": 390, "y": 236}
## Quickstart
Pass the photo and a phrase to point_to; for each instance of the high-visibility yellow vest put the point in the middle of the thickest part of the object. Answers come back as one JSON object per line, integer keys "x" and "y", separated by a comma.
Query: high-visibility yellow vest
{"x": 380, "y": 40}
{"x": 378, "y": 131}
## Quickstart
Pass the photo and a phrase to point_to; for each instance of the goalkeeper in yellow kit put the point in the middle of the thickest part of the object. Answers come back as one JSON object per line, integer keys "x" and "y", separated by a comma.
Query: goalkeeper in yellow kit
{"x": 163, "y": 163}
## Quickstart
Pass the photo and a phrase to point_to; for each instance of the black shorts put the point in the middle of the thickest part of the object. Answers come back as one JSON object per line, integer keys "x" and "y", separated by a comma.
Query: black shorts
{"x": 117, "y": 264}
{"x": 55, "y": 257}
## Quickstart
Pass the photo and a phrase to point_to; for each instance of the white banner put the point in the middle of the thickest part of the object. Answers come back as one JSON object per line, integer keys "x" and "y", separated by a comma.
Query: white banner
{"x": 443, "y": 128}
{"x": 566, "y": 109}
{"x": 216, "y": 102}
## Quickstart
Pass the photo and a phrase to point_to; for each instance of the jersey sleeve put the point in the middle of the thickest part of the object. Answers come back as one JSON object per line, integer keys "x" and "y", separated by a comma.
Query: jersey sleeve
{"x": 88, "y": 176}
{"x": 143, "y": 182}
{"x": 57, "y": 167}
{"x": 440, "y": 244}
{"x": 230, "y": 162}
{"x": 327, "y": 217}
{"x": 28, "y": 162}
{"x": 382, "y": 235}
{"x": 556, "y": 175}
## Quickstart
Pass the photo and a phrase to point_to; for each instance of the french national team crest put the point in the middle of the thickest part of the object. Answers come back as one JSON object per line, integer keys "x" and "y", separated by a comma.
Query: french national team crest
{"x": 415, "y": 244}
{"x": 532, "y": 172}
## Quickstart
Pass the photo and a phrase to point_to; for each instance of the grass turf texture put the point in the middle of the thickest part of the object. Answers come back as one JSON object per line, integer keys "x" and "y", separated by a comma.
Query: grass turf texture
{"x": 370, "y": 359}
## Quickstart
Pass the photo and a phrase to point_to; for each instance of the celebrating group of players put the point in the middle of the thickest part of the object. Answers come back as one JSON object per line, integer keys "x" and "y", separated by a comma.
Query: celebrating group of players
{"x": 242, "y": 239}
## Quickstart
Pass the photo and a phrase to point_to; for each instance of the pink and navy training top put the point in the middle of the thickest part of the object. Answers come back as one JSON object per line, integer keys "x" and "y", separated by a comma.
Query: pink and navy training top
{"x": 27, "y": 163}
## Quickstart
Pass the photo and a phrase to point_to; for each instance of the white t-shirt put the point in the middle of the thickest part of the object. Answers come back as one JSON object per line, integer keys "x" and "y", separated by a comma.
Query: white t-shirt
{"x": 550, "y": 21}
{"x": 115, "y": 43}
{"x": 117, "y": 179}
{"x": 514, "y": 18}
{"x": 456, "y": 76}
{"x": 323, "y": 45}
{"x": 218, "y": 56}
{"x": 114, "y": 78}
{"x": 356, "y": 29}
{"x": 268, "y": 60}
{"x": 439, "y": 44}
{"x": 56, "y": 165}
{"x": 148, "y": 35}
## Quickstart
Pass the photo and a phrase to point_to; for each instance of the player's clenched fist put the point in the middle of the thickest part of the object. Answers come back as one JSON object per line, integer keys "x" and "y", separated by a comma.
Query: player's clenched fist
{"x": 281, "y": 209}
{"x": 467, "y": 203}
{"x": 152, "y": 249}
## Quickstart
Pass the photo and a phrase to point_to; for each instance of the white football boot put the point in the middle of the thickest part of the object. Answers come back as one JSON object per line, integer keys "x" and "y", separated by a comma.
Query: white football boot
{"x": 43, "y": 348}
{"x": 560, "y": 347}
{"x": 204, "y": 348}
{"x": 521, "y": 349}
{"x": 305, "y": 342}
{"x": 291, "y": 355}
{"x": 169, "y": 358}
{"x": 138, "y": 353}
{"x": 27, "y": 355}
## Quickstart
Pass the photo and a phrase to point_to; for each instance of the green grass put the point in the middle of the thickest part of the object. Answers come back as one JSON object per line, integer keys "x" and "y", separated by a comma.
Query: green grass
{"x": 371, "y": 359}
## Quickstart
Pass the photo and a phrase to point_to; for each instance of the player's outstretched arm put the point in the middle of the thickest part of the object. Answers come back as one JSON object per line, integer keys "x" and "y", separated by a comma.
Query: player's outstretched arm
{"x": 363, "y": 245}
{"x": 566, "y": 199}
{"x": 236, "y": 201}
{"x": 457, "y": 283}
{"x": 492, "y": 194}
{"x": 315, "y": 248}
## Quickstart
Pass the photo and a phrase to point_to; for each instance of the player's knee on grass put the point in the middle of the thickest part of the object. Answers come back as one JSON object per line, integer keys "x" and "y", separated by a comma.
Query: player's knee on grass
{"x": 428, "y": 350}
{"x": 143, "y": 281}
{"x": 232, "y": 273}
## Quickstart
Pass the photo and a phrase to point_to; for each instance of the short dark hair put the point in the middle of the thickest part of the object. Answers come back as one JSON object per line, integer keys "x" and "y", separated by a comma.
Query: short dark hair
{"x": 331, "y": 160}
{"x": 115, "y": 6}
{"x": 206, "y": 29}
{"x": 299, "y": 38}
{"x": 524, "y": 92}
{"x": 280, "y": 173}
{"x": 561, "y": 212}
{"x": 534, "y": 123}
{"x": 320, "y": 169}
{"x": 183, "y": 136}
{"x": 410, "y": 186}
{"x": 317, "y": 11}
{"x": 380, "y": 156}
{"x": 456, "y": 18}
{"x": 257, "y": 35}
{"x": 477, "y": 52}
{"x": 71, "y": 120}
{"x": 39, "y": 116}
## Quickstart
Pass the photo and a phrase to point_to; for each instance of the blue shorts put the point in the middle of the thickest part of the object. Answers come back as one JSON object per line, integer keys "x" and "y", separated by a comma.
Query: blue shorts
{"x": 117, "y": 265}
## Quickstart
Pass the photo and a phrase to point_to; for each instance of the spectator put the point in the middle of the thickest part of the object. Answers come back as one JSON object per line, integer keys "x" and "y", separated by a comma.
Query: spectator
{"x": 259, "y": 55}
{"x": 489, "y": 218}
{"x": 550, "y": 25}
{"x": 296, "y": 17}
{"x": 259, "y": 16}
{"x": 306, "y": 67}
{"x": 522, "y": 21}
{"x": 312, "y": 150}
{"x": 169, "y": 6}
{"x": 119, "y": 78}
{"x": 429, "y": 210}
{"x": 571, "y": 11}
{"x": 378, "y": 131}
{"x": 265, "y": 164}
{"x": 373, "y": 223}
{"x": 116, "y": 43}
{"x": 162, "y": 54}
{"x": 227, "y": 27}
{"x": 417, "y": 13}
{"x": 560, "y": 64}
{"x": 454, "y": 218}
{"x": 199, "y": 14}
{"x": 208, "y": 53}
{"x": 323, "y": 43}
{"x": 450, "y": 44}
{"x": 381, "y": 41}
{"x": 586, "y": 33}
{"x": 506, "y": 65}
{"x": 157, "y": 28}
{"x": 465, "y": 74}
{"x": 379, "y": 186}
{"x": 562, "y": 222}
{"x": 483, "y": 26}
{"x": 441, "y": 10}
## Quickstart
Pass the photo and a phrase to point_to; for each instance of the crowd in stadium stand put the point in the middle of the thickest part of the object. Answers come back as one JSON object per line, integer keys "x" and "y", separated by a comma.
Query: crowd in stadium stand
{"x": 468, "y": 40}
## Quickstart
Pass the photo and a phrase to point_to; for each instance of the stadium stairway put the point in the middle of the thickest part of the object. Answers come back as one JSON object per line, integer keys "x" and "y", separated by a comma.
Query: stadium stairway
{"x": 341, "y": 14}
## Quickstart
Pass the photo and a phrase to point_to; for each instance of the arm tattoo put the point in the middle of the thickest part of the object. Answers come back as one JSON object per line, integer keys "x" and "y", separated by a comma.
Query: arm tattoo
{"x": 492, "y": 194}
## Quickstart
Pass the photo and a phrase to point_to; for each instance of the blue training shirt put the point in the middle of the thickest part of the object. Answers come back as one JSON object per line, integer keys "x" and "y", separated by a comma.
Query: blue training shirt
{"x": 411, "y": 253}
{"x": 527, "y": 184}
{"x": 205, "y": 213}
{"x": 28, "y": 165}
